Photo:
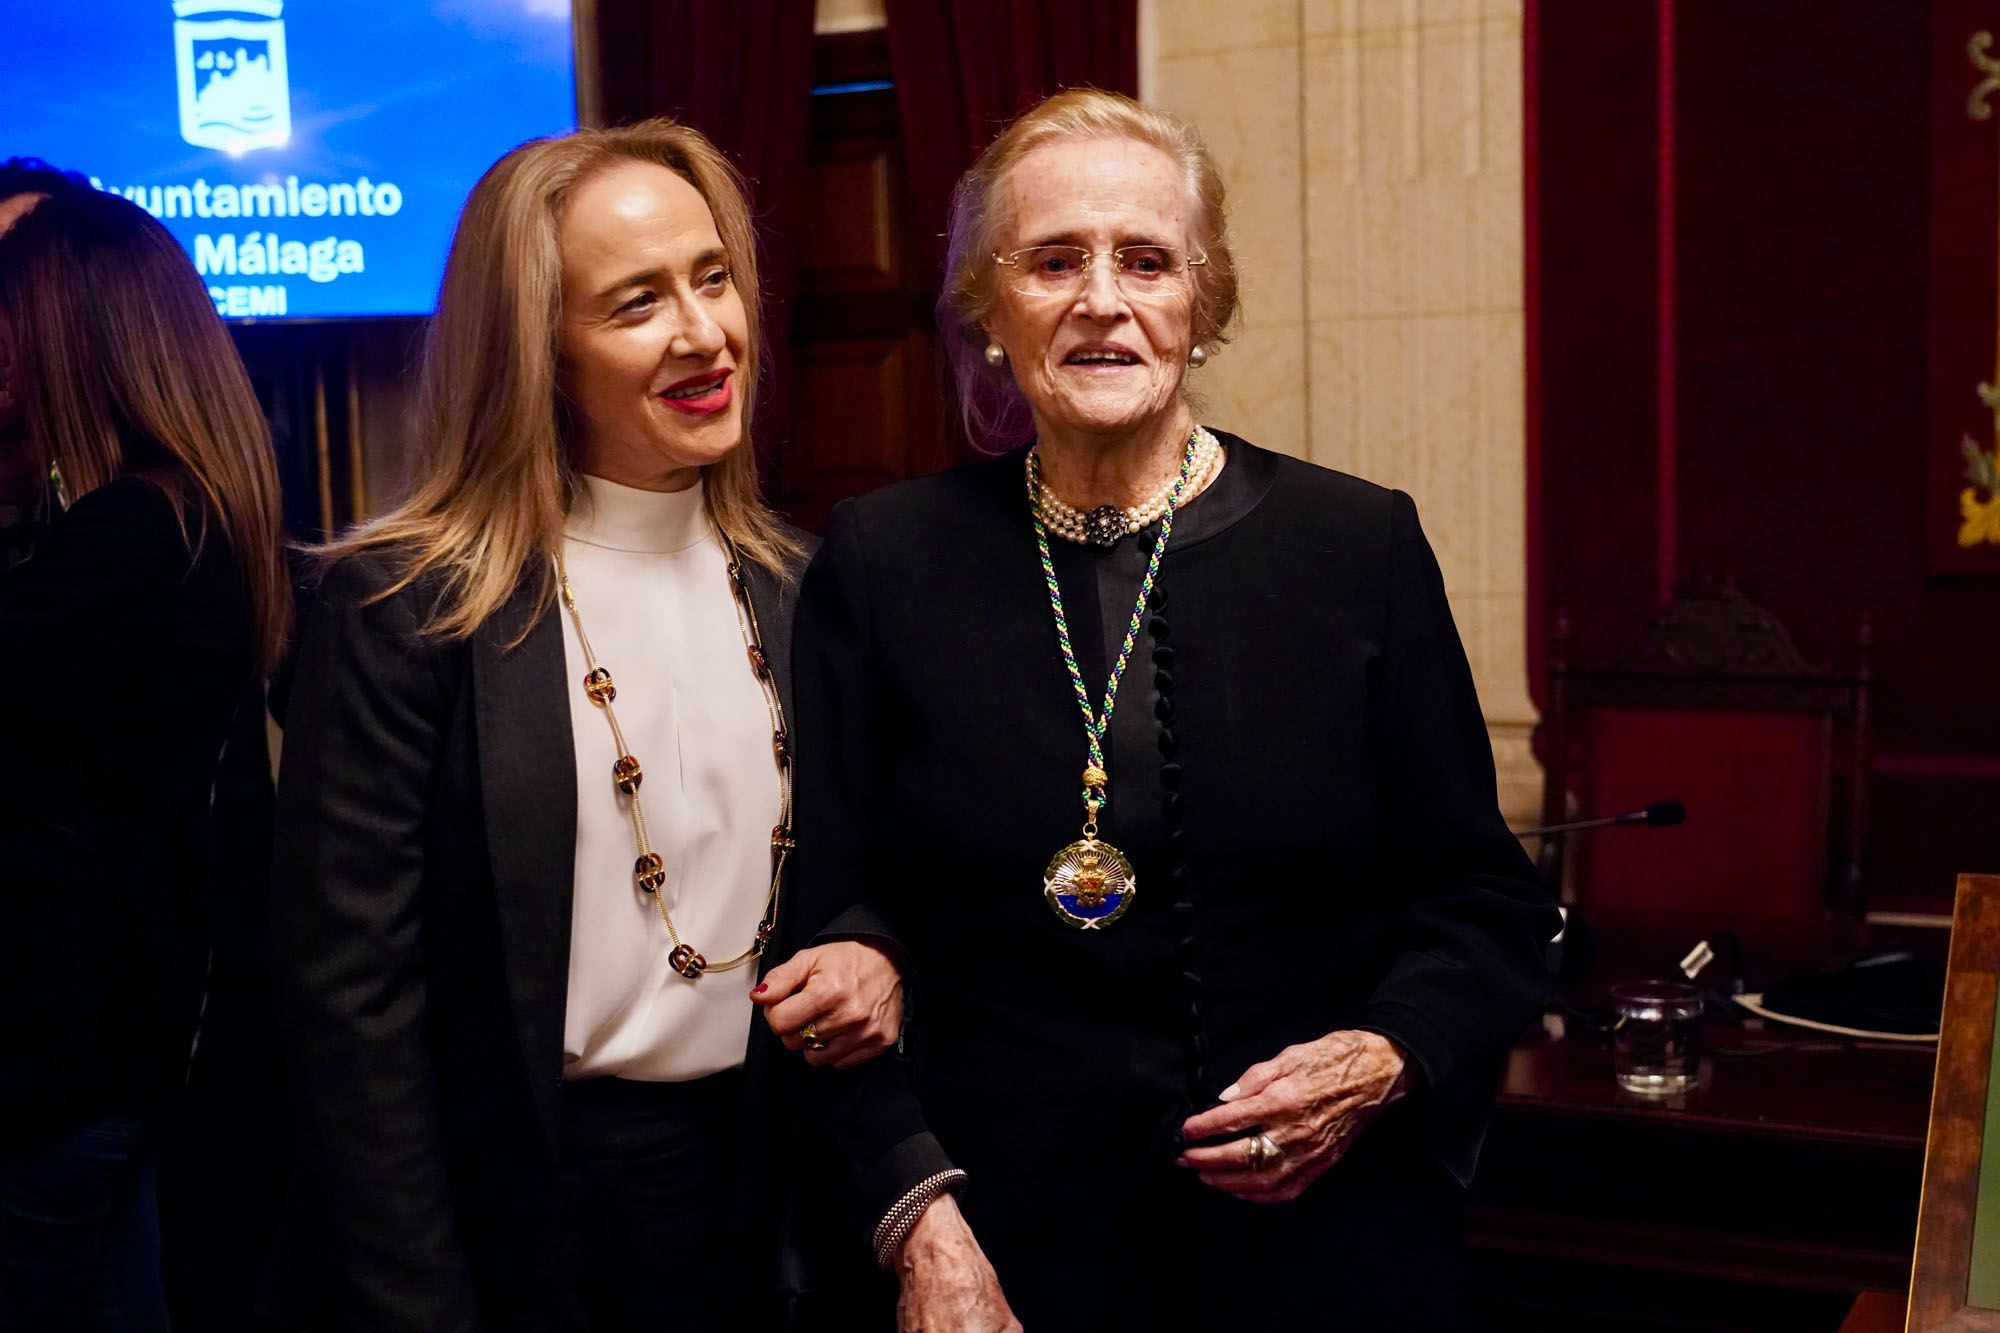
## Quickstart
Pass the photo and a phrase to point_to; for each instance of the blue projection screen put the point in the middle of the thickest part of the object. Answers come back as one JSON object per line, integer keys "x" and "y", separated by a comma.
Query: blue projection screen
{"x": 312, "y": 155}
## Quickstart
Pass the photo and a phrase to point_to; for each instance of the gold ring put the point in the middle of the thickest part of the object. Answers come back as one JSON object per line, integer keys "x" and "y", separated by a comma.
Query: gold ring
{"x": 810, "y": 1036}
{"x": 1264, "y": 1151}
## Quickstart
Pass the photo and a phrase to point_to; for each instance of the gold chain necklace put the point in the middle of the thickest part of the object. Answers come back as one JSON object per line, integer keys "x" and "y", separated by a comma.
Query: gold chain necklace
{"x": 649, "y": 872}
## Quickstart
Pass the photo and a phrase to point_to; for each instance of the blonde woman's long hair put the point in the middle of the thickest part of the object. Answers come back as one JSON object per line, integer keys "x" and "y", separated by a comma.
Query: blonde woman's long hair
{"x": 496, "y": 470}
{"x": 126, "y": 370}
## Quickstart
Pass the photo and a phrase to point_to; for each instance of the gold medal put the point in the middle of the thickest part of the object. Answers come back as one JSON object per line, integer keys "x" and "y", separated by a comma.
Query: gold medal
{"x": 1089, "y": 884}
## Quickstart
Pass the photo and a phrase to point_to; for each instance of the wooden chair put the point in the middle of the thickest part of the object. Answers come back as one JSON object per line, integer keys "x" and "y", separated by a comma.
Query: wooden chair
{"x": 1710, "y": 703}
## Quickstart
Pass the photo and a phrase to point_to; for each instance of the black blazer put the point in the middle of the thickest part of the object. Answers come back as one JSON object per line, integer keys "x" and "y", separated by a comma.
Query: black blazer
{"x": 425, "y": 845}
{"x": 122, "y": 661}
{"x": 1320, "y": 849}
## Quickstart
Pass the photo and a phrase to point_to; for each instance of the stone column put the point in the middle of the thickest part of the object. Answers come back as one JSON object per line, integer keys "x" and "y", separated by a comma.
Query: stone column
{"x": 1373, "y": 152}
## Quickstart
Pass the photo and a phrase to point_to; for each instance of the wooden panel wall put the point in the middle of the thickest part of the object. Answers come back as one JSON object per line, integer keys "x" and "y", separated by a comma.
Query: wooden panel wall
{"x": 868, "y": 389}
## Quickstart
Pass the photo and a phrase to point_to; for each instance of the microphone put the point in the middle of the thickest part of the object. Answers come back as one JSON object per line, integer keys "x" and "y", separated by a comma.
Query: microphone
{"x": 1660, "y": 814}
{"x": 1572, "y": 951}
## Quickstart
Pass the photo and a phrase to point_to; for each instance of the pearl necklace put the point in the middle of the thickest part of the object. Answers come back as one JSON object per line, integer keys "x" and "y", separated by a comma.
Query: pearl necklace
{"x": 1106, "y": 525}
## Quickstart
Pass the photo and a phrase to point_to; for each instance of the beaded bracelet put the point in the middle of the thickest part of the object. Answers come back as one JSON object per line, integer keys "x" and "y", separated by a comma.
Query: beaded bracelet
{"x": 903, "y": 1214}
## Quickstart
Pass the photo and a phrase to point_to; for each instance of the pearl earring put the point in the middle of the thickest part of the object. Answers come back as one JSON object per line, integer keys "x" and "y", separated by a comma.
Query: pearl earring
{"x": 1197, "y": 356}
{"x": 996, "y": 355}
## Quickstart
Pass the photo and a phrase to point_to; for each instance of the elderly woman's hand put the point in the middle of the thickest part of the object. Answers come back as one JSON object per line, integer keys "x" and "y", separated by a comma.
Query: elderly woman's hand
{"x": 850, "y": 992}
{"x": 947, "y": 1284}
{"x": 1311, "y": 1100}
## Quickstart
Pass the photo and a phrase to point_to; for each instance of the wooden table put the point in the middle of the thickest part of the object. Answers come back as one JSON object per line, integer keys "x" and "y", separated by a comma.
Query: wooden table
{"x": 1764, "y": 1200}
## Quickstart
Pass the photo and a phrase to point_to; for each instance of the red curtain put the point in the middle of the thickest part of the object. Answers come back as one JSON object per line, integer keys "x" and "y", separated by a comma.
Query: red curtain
{"x": 1964, "y": 345}
{"x": 740, "y": 71}
{"x": 964, "y": 68}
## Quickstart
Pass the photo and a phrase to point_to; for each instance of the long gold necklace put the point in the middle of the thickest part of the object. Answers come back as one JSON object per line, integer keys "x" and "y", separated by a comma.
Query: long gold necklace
{"x": 649, "y": 872}
{"x": 1089, "y": 883}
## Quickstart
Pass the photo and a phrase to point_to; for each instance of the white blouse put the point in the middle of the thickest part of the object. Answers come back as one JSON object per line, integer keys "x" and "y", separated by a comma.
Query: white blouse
{"x": 650, "y": 578}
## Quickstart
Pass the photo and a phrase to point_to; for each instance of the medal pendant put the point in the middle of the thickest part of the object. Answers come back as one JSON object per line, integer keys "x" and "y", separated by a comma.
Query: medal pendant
{"x": 1089, "y": 884}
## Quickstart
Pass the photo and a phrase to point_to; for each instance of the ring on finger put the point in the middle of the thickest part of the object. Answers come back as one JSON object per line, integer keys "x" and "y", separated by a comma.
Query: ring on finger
{"x": 1264, "y": 1151}
{"x": 809, "y": 1034}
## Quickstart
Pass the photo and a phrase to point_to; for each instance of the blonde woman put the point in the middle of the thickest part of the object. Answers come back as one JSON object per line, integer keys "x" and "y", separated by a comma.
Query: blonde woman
{"x": 535, "y": 798}
{"x": 153, "y": 604}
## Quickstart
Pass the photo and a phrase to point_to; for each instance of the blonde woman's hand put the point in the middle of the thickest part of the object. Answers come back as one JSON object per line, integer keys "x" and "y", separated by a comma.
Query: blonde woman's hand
{"x": 850, "y": 991}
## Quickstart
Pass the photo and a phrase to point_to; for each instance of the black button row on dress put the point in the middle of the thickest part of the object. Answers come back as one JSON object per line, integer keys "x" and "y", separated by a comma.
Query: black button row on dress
{"x": 1181, "y": 910}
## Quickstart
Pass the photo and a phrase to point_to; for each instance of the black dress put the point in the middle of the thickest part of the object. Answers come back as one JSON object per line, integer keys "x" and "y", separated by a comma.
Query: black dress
{"x": 1301, "y": 776}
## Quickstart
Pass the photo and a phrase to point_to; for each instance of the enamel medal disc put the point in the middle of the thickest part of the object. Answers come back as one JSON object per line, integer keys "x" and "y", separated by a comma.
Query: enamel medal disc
{"x": 1089, "y": 884}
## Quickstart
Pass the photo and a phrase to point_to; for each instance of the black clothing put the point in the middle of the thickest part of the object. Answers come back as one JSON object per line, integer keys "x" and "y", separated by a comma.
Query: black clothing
{"x": 123, "y": 657}
{"x": 221, "y": 1141}
{"x": 425, "y": 859}
{"x": 1301, "y": 775}
{"x": 80, "y": 1233}
{"x": 420, "y": 918}
{"x": 649, "y": 1172}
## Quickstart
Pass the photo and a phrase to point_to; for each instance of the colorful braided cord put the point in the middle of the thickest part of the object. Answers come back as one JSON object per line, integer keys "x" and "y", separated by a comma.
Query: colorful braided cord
{"x": 1095, "y": 724}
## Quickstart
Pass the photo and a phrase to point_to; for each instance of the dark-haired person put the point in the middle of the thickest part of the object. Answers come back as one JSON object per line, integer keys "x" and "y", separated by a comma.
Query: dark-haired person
{"x": 144, "y": 619}
{"x": 534, "y": 806}
{"x": 1217, "y": 968}
{"x": 24, "y": 182}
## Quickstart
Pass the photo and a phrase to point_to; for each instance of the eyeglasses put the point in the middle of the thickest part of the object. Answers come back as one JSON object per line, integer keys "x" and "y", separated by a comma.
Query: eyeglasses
{"x": 1141, "y": 271}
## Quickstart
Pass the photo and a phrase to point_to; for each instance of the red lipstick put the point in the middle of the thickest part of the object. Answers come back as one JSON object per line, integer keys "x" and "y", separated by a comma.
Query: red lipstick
{"x": 699, "y": 395}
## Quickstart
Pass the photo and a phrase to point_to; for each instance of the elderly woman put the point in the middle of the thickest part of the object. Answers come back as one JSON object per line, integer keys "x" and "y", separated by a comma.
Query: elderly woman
{"x": 535, "y": 806}
{"x": 1163, "y": 755}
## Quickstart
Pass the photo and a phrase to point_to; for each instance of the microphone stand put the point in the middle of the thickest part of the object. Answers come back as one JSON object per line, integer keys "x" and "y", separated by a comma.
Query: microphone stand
{"x": 1572, "y": 950}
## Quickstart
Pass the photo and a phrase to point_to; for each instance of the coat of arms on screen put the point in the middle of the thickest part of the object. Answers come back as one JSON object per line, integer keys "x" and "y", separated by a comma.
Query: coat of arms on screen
{"x": 230, "y": 56}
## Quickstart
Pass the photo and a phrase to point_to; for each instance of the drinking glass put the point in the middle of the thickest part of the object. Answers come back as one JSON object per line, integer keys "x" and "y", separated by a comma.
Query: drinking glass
{"x": 1655, "y": 1044}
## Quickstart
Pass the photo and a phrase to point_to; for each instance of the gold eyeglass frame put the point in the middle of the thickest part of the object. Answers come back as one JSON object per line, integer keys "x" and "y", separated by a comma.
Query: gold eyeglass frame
{"x": 1012, "y": 260}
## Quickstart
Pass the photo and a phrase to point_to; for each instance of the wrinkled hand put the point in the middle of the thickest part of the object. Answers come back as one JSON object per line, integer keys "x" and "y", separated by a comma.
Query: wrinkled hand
{"x": 849, "y": 990}
{"x": 948, "y": 1286}
{"x": 1311, "y": 1099}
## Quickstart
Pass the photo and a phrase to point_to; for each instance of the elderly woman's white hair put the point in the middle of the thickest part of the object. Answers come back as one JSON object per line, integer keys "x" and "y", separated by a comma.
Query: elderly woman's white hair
{"x": 995, "y": 414}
